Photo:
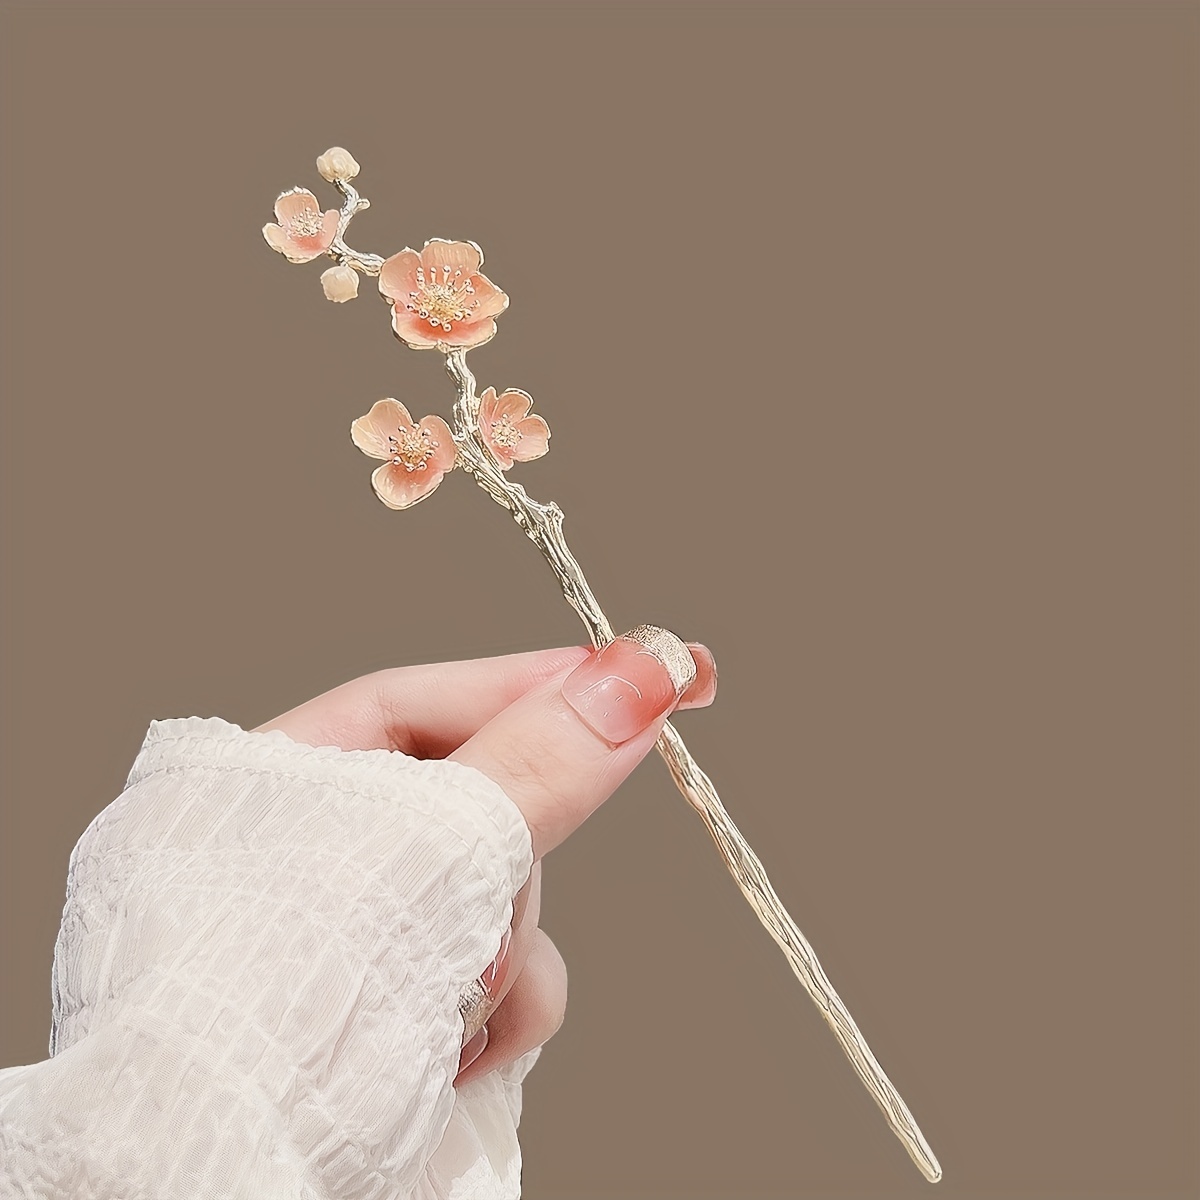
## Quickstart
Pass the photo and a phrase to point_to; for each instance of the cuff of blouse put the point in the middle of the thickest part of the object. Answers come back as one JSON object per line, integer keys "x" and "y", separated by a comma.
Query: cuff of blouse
{"x": 463, "y": 798}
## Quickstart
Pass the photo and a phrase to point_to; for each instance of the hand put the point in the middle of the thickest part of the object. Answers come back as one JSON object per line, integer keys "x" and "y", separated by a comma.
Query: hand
{"x": 558, "y": 730}
{"x": 261, "y": 945}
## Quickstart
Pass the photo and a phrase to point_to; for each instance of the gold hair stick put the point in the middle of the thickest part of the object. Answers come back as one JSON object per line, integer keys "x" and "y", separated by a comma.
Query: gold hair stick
{"x": 440, "y": 300}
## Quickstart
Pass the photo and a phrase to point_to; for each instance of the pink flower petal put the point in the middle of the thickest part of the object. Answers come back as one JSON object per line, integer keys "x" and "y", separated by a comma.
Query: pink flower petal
{"x": 277, "y": 239}
{"x": 305, "y": 249}
{"x": 370, "y": 433}
{"x": 535, "y": 439}
{"x": 399, "y": 488}
{"x": 492, "y": 301}
{"x": 301, "y": 250}
{"x": 458, "y": 256}
{"x": 446, "y": 453}
{"x": 329, "y": 226}
{"x": 292, "y": 204}
{"x": 413, "y": 330}
{"x": 503, "y": 454}
{"x": 469, "y": 333}
{"x": 418, "y": 333}
{"x": 513, "y": 404}
{"x": 398, "y": 275}
{"x": 487, "y": 404}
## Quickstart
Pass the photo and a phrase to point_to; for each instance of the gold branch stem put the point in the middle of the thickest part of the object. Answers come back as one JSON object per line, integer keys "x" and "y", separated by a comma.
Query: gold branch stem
{"x": 543, "y": 523}
{"x": 352, "y": 203}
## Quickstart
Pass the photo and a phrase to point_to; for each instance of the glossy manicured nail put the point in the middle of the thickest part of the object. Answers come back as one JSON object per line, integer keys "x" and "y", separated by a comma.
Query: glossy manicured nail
{"x": 622, "y": 689}
{"x": 704, "y": 687}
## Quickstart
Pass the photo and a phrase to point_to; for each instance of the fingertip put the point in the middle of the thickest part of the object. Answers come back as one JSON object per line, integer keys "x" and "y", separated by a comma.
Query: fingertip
{"x": 563, "y": 747}
{"x": 703, "y": 689}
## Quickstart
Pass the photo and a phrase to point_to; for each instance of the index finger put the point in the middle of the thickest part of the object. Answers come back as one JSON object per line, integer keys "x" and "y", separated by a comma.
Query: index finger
{"x": 562, "y": 748}
{"x": 426, "y": 710}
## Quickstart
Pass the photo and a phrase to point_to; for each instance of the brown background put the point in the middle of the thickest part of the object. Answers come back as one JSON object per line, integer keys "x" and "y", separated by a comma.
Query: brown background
{"x": 867, "y": 335}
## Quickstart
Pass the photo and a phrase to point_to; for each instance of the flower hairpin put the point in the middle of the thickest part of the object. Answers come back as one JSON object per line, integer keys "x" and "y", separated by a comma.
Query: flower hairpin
{"x": 440, "y": 300}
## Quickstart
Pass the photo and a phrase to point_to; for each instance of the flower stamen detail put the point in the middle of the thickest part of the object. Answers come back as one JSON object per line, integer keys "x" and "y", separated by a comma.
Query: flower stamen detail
{"x": 305, "y": 223}
{"x": 505, "y": 433}
{"x": 412, "y": 448}
{"x": 442, "y": 299}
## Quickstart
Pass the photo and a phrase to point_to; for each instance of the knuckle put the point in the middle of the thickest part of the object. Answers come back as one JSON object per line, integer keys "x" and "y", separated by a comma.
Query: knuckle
{"x": 534, "y": 765}
{"x": 390, "y": 691}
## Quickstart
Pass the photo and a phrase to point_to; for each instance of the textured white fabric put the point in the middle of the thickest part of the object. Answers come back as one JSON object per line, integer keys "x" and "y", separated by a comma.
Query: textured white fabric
{"x": 256, "y": 982}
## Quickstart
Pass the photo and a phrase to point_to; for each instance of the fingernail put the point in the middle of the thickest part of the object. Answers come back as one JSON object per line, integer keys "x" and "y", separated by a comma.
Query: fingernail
{"x": 625, "y": 687}
{"x": 473, "y": 1049}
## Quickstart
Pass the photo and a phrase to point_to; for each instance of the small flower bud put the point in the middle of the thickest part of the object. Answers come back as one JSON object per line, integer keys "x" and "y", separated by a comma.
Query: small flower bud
{"x": 340, "y": 284}
{"x": 336, "y": 164}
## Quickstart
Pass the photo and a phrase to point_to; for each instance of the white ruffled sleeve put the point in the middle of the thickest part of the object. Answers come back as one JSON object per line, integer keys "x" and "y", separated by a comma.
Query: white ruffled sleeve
{"x": 257, "y": 976}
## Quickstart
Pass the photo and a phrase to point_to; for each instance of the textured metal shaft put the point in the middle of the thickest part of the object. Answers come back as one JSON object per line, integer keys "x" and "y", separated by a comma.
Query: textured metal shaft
{"x": 542, "y": 523}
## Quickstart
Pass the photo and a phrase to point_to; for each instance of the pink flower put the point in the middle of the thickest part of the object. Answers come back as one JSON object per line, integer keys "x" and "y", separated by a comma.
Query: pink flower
{"x": 511, "y": 433}
{"x": 417, "y": 454}
{"x": 303, "y": 232}
{"x": 439, "y": 298}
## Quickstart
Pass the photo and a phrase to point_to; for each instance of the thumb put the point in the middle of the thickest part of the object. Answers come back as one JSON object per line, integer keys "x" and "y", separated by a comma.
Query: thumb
{"x": 563, "y": 747}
